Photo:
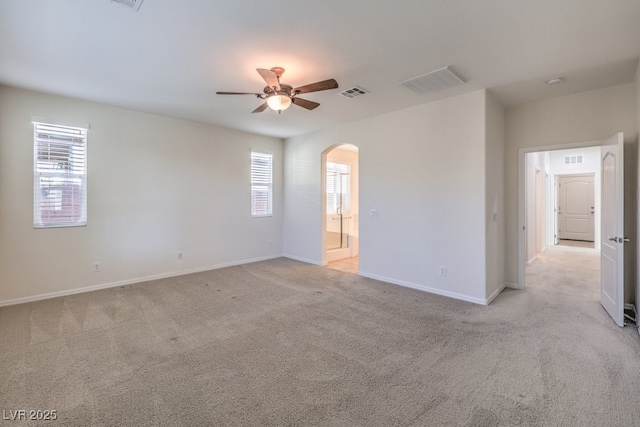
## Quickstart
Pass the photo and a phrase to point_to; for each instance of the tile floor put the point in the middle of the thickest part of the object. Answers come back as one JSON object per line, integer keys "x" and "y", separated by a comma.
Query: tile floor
{"x": 348, "y": 265}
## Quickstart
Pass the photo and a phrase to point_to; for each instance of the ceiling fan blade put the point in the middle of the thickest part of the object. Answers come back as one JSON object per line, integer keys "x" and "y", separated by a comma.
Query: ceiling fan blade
{"x": 270, "y": 77}
{"x": 261, "y": 108}
{"x": 238, "y": 93}
{"x": 309, "y": 105}
{"x": 315, "y": 87}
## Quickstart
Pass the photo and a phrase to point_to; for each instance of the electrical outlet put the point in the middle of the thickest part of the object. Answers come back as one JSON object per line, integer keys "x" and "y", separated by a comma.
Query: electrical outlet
{"x": 96, "y": 267}
{"x": 373, "y": 213}
{"x": 180, "y": 256}
{"x": 442, "y": 270}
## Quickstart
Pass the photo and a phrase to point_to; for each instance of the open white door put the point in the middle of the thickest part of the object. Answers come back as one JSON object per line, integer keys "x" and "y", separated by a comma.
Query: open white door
{"x": 612, "y": 229}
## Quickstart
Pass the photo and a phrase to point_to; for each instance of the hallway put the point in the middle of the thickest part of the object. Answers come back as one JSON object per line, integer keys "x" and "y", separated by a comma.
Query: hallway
{"x": 570, "y": 270}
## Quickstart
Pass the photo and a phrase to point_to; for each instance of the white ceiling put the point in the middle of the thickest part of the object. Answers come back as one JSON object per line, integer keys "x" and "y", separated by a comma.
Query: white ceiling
{"x": 171, "y": 57}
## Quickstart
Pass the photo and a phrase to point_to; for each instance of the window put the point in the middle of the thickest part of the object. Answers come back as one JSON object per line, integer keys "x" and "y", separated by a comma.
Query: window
{"x": 261, "y": 184}
{"x": 60, "y": 175}
{"x": 338, "y": 188}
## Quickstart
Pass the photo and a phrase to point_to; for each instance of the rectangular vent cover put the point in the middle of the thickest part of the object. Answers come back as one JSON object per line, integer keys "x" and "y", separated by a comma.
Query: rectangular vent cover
{"x": 133, "y": 4}
{"x": 353, "y": 92}
{"x": 572, "y": 160}
{"x": 440, "y": 79}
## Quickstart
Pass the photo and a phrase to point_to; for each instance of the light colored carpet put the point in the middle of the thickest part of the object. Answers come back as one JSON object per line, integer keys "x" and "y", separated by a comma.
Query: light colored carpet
{"x": 281, "y": 343}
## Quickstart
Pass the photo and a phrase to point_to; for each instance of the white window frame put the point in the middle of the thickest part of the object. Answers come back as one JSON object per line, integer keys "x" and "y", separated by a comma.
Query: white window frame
{"x": 333, "y": 195}
{"x": 261, "y": 177}
{"x": 59, "y": 174}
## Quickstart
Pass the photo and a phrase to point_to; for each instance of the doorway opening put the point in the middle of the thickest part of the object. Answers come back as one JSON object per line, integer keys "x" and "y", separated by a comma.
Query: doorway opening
{"x": 562, "y": 219}
{"x": 340, "y": 242}
{"x": 575, "y": 214}
{"x": 616, "y": 277}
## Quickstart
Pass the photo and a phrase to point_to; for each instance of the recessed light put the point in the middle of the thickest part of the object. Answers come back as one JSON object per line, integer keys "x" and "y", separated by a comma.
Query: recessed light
{"x": 554, "y": 81}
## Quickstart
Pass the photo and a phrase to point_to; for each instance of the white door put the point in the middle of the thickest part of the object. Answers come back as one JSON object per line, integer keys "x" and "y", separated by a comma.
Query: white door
{"x": 576, "y": 207}
{"x": 612, "y": 228}
{"x": 556, "y": 202}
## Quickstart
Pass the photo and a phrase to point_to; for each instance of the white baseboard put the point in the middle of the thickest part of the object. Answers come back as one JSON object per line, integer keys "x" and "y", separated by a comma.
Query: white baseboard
{"x": 426, "y": 288}
{"x": 532, "y": 260}
{"x": 512, "y": 286}
{"x": 305, "y": 260}
{"x": 131, "y": 281}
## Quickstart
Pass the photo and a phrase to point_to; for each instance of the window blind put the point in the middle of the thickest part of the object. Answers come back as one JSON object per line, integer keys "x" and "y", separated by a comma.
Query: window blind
{"x": 60, "y": 175}
{"x": 261, "y": 184}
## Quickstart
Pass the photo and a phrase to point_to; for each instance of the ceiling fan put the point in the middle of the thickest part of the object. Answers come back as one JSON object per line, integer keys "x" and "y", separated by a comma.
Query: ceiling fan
{"x": 280, "y": 96}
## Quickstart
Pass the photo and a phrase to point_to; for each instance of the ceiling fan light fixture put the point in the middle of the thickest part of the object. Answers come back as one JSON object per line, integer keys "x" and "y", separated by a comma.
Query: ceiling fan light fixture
{"x": 279, "y": 102}
{"x": 279, "y": 96}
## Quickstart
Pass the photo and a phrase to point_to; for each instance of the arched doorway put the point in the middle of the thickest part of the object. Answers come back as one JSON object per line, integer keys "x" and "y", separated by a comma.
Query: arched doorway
{"x": 340, "y": 207}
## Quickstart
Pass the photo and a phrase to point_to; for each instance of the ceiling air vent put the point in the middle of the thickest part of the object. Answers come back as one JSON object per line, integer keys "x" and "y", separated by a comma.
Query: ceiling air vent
{"x": 440, "y": 79}
{"x": 353, "y": 92}
{"x": 572, "y": 160}
{"x": 132, "y": 4}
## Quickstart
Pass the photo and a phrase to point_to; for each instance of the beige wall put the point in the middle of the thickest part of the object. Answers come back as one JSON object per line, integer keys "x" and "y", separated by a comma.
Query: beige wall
{"x": 494, "y": 204}
{"x": 637, "y": 96}
{"x": 423, "y": 169}
{"x": 156, "y": 186}
{"x": 586, "y": 116}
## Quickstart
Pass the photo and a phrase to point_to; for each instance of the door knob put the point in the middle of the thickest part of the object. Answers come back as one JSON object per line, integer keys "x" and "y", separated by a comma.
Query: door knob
{"x": 613, "y": 239}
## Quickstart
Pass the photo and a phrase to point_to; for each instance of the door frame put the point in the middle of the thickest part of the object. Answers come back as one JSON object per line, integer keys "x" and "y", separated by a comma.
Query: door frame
{"x": 323, "y": 194}
{"x": 522, "y": 239}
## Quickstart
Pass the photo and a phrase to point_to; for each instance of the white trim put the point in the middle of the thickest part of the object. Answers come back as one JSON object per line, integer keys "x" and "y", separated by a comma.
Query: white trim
{"x": 428, "y": 289}
{"x": 305, "y": 260}
{"x": 496, "y": 293}
{"x": 131, "y": 281}
{"x": 521, "y": 236}
{"x": 72, "y": 124}
{"x": 532, "y": 260}
{"x": 512, "y": 286}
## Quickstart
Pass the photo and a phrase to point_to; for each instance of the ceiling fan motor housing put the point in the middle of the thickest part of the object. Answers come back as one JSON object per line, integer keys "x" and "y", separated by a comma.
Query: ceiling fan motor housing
{"x": 284, "y": 90}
